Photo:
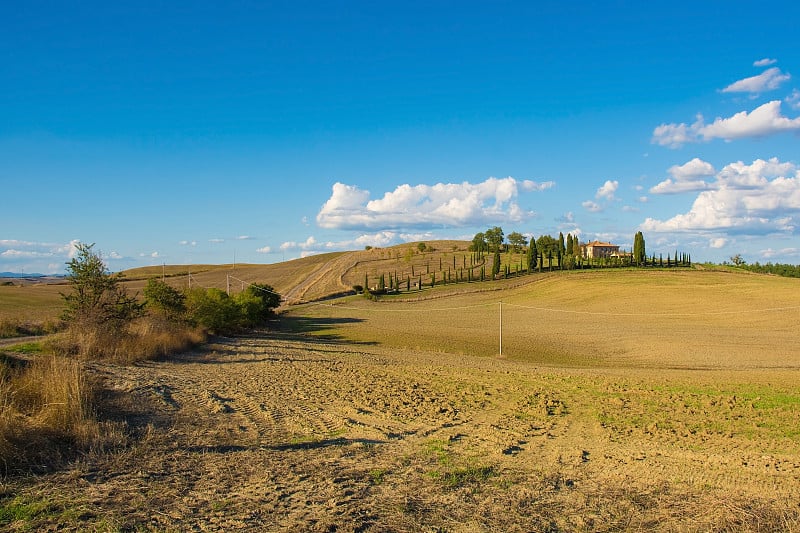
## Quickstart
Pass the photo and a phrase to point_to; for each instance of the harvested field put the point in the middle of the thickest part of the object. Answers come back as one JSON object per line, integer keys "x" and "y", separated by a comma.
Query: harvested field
{"x": 360, "y": 417}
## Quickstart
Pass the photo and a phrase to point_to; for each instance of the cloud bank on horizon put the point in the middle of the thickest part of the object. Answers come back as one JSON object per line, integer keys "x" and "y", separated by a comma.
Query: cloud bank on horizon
{"x": 450, "y": 205}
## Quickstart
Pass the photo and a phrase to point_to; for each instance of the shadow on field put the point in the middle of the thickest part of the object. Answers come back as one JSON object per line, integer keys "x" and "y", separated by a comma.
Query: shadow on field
{"x": 313, "y": 329}
{"x": 305, "y": 445}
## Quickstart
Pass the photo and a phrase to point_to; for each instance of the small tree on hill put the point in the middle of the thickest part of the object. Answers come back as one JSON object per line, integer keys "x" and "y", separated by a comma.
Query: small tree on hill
{"x": 517, "y": 241}
{"x": 496, "y": 264}
{"x": 98, "y": 298}
{"x": 164, "y": 299}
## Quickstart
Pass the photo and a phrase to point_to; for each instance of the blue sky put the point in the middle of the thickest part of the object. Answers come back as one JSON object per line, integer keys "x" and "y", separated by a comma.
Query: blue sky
{"x": 198, "y": 132}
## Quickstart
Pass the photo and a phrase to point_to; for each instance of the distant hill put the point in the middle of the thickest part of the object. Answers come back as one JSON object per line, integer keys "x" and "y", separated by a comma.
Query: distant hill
{"x": 24, "y": 275}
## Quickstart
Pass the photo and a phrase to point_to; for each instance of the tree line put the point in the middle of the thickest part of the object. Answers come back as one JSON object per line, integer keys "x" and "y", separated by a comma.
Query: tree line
{"x": 493, "y": 255}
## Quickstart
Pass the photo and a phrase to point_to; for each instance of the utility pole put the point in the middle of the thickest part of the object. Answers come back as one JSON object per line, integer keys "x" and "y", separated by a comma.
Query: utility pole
{"x": 501, "y": 328}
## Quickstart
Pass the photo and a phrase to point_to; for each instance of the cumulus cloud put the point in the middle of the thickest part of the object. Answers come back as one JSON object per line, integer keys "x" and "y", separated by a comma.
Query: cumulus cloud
{"x": 764, "y": 120}
{"x": 607, "y": 190}
{"x": 764, "y": 62}
{"x": 16, "y": 249}
{"x": 529, "y": 185}
{"x": 769, "y": 253}
{"x": 686, "y": 178}
{"x": 591, "y": 206}
{"x": 605, "y": 194}
{"x": 264, "y": 250}
{"x": 717, "y": 242}
{"x": 793, "y": 99}
{"x": 309, "y": 244}
{"x": 760, "y": 198}
{"x": 442, "y": 204}
{"x": 768, "y": 80}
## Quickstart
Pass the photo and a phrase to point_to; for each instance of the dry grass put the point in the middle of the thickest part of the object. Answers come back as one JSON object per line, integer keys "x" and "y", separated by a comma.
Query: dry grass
{"x": 47, "y": 413}
{"x": 149, "y": 337}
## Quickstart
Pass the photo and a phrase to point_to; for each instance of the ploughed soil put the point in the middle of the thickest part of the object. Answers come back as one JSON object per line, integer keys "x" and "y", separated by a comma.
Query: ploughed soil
{"x": 284, "y": 432}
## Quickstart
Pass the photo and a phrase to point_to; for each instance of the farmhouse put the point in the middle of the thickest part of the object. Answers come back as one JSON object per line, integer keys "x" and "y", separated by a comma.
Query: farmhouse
{"x": 600, "y": 249}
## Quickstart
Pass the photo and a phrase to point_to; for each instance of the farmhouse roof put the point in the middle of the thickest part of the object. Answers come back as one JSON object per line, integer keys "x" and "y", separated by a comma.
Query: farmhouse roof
{"x": 598, "y": 243}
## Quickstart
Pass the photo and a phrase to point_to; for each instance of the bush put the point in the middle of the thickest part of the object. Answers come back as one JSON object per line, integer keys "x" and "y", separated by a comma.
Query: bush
{"x": 164, "y": 299}
{"x": 213, "y": 310}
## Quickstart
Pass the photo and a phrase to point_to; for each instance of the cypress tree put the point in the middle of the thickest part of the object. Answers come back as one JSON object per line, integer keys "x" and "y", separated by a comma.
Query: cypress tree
{"x": 496, "y": 264}
{"x": 533, "y": 254}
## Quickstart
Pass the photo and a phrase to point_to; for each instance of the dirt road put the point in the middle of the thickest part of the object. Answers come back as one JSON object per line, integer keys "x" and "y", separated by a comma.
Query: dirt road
{"x": 287, "y": 433}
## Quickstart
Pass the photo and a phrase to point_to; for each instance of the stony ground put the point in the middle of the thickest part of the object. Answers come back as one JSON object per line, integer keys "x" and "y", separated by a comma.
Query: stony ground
{"x": 281, "y": 432}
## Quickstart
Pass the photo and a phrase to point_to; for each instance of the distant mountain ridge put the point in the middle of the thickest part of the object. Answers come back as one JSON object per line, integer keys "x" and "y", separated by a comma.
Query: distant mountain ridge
{"x": 27, "y": 275}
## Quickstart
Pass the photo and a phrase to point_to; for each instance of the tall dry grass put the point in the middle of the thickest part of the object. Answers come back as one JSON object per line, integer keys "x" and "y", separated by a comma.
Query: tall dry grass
{"x": 46, "y": 413}
{"x": 142, "y": 339}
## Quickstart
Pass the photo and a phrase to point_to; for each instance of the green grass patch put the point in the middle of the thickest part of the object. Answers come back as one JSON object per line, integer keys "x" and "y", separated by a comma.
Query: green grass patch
{"x": 26, "y": 348}
{"x": 20, "y": 509}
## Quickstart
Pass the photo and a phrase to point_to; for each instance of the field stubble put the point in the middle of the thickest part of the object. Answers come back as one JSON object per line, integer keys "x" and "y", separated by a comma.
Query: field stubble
{"x": 361, "y": 416}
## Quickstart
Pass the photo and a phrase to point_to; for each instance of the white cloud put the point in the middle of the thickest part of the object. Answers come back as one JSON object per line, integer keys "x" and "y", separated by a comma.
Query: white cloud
{"x": 764, "y": 62}
{"x": 757, "y": 199}
{"x": 607, "y": 190}
{"x": 793, "y": 99}
{"x": 528, "y": 185}
{"x": 264, "y": 250}
{"x": 643, "y": 199}
{"x": 762, "y": 121}
{"x": 115, "y": 255}
{"x": 188, "y": 243}
{"x": 605, "y": 193}
{"x": 717, "y": 242}
{"x": 783, "y": 252}
{"x": 309, "y": 244}
{"x": 630, "y": 209}
{"x": 692, "y": 169}
{"x": 216, "y": 241}
{"x": 768, "y": 80}
{"x": 594, "y": 207}
{"x": 685, "y": 178}
{"x": 442, "y": 204}
{"x": 244, "y": 238}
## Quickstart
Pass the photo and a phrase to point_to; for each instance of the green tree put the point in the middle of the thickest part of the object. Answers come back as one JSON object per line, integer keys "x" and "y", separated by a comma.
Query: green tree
{"x": 164, "y": 299}
{"x": 570, "y": 245}
{"x": 532, "y": 255}
{"x": 268, "y": 299}
{"x": 98, "y": 298}
{"x": 496, "y": 264}
{"x": 422, "y": 247}
{"x": 517, "y": 241}
{"x": 479, "y": 243}
{"x": 494, "y": 237}
{"x": 639, "y": 252}
{"x": 547, "y": 245}
{"x": 562, "y": 249}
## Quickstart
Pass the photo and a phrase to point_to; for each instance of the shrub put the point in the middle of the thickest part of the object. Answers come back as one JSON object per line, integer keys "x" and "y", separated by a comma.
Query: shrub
{"x": 164, "y": 299}
{"x": 213, "y": 310}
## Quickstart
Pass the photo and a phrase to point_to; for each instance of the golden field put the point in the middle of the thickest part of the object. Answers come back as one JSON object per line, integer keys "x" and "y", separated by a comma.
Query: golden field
{"x": 623, "y": 400}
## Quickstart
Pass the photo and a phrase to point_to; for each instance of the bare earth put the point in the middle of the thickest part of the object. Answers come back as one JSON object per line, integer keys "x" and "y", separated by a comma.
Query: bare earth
{"x": 281, "y": 432}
